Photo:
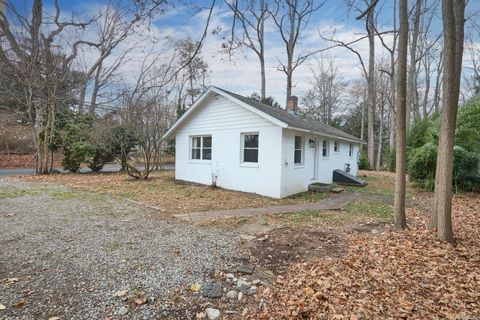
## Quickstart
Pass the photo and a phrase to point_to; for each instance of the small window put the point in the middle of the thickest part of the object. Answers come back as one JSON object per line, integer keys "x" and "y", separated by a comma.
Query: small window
{"x": 250, "y": 147}
{"x": 350, "y": 150}
{"x": 298, "y": 150}
{"x": 336, "y": 146}
{"x": 325, "y": 147}
{"x": 202, "y": 148}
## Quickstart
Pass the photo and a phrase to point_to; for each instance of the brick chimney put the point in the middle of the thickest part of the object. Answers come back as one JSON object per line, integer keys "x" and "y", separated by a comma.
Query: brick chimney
{"x": 292, "y": 104}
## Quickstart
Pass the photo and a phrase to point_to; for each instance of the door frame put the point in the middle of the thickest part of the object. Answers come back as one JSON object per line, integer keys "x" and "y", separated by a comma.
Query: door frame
{"x": 315, "y": 159}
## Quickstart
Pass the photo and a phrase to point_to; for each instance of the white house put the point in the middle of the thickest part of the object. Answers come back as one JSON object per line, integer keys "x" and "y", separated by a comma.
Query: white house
{"x": 248, "y": 146}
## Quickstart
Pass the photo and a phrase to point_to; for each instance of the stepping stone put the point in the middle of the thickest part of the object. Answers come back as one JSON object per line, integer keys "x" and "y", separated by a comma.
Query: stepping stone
{"x": 213, "y": 290}
{"x": 337, "y": 189}
{"x": 246, "y": 269}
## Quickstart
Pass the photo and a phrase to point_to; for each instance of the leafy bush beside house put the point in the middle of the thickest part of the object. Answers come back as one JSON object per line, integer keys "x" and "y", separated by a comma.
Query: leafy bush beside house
{"x": 422, "y": 149}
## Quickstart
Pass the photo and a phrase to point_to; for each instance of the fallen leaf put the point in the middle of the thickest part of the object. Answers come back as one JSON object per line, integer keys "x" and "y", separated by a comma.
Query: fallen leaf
{"x": 308, "y": 291}
{"x": 2, "y": 307}
{"x": 140, "y": 300}
{"x": 195, "y": 287}
{"x": 19, "y": 304}
{"x": 121, "y": 293}
{"x": 10, "y": 281}
{"x": 26, "y": 292}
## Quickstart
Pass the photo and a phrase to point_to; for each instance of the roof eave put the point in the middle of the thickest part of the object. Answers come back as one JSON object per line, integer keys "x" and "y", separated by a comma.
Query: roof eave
{"x": 327, "y": 135}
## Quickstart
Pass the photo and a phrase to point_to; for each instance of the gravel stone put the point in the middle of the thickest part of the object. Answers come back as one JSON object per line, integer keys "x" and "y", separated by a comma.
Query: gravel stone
{"x": 212, "y": 313}
{"x": 240, "y": 296}
{"x": 256, "y": 282}
{"x": 123, "y": 311}
{"x": 74, "y": 249}
{"x": 252, "y": 290}
{"x": 242, "y": 284}
{"x": 232, "y": 295}
{"x": 213, "y": 290}
{"x": 246, "y": 268}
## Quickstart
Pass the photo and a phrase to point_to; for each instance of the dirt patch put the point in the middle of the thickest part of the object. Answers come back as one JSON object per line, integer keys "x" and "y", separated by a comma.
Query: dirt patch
{"x": 284, "y": 247}
{"x": 372, "y": 228}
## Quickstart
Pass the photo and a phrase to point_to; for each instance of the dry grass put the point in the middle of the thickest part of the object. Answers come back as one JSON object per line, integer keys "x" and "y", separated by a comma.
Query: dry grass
{"x": 161, "y": 190}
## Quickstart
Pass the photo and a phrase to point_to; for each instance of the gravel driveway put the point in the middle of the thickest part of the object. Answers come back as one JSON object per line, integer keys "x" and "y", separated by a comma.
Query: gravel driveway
{"x": 67, "y": 253}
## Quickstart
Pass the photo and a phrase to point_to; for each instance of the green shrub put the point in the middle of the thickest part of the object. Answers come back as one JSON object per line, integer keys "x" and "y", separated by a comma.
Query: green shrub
{"x": 419, "y": 133}
{"x": 391, "y": 160}
{"x": 363, "y": 164}
{"x": 468, "y": 126}
{"x": 422, "y": 164}
{"x": 75, "y": 154}
{"x": 99, "y": 159}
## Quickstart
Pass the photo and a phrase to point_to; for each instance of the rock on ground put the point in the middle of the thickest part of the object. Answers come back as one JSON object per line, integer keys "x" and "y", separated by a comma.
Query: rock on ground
{"x": 212, "y": 313}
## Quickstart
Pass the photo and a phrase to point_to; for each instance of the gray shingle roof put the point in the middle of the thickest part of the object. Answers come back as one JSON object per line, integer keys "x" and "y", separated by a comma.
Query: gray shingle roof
{"x": 293, "y": 120}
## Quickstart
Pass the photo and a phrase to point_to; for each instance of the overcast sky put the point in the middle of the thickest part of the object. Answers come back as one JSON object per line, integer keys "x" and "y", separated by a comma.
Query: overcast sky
{"x": 241, "y": 73}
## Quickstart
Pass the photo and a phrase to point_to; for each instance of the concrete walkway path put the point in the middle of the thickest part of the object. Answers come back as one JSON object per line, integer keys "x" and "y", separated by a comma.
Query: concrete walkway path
{"x": 335, "y": 202}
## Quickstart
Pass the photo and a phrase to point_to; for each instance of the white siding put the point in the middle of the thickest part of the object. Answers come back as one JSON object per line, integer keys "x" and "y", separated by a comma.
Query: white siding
{"x": 225, "y": 121}
{"x": 296, "y": 178}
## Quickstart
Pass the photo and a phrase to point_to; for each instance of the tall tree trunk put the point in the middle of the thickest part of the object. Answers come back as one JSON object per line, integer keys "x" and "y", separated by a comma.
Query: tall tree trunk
{"x": 263, "y": 91}
{"x": 96, "y": 86}
{"x": 453, "y": 13}
{"x": 427, "y": 87}
{"x": 261, "y": 57}
{"x": 371, "y": 89}
{"x": 380, "y": 139}
{"x": 438, "y": 84}
{"x": 362, "y": 123}
{"x": 412, "y": 85}
{"x": 401, "y": 134}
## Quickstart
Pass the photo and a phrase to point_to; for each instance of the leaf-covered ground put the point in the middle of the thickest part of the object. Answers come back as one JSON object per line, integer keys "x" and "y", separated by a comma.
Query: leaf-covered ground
{"x": 23, "y": 161}
{"x": 389, "y": 276}
{"x": 161, "y": 190}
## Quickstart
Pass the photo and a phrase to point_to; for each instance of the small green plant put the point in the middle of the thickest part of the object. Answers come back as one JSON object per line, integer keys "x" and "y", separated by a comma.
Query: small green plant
{"x": 391, "y": 160}
{"x": 363, "y": 164}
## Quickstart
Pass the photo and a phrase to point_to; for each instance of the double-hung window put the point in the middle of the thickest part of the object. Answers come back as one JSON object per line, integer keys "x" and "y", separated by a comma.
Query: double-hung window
{"x": 350, "y": 150}
{"x": 250, "y": 147}
{"x": 336, "y": 146}
{"x": 298, "y": 151}
{"x": 201, "y": 148}
{"x": 325, "y": 148}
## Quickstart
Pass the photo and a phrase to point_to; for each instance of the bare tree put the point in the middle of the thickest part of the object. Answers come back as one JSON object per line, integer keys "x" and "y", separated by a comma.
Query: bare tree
{"x": 391, "y": 73}
{"x": 112, "y": 29}
{"x": 453, "y": 14}
{"x": 148, "y": 110}
{"x": 412, "y": 68}
{"x": 195, "y": 71}
{"x": 291, "y": 18}
{"x": 401, "y": 131}
{"x": 369, "y": 15}
{"x": 251, "y": 16}
{"x": 30, "y": 51}
{"x": 327, "y": 92}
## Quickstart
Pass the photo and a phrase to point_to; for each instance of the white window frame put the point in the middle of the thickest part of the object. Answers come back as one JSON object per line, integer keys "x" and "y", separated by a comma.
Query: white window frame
{"x": 302, "y": 148}
{"x": 242, "y": 148}
{"x": 350, "y": 151}
{"x": 327, "y": 148}
{"x": 201, "y": 148}
{"x": 336, "y": 145}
